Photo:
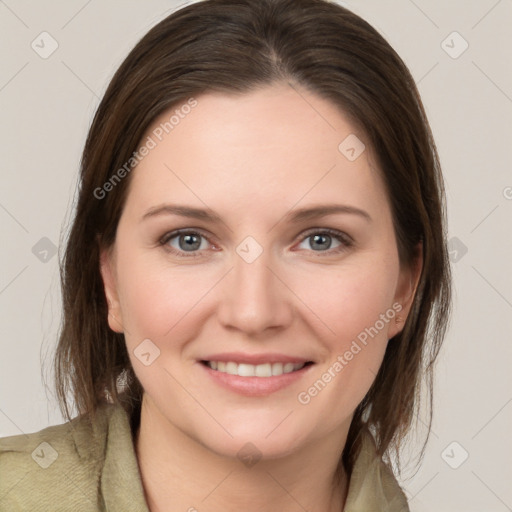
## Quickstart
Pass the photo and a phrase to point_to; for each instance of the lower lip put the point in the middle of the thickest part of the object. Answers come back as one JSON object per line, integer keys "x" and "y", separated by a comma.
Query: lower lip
{"x": 255, "y": 386}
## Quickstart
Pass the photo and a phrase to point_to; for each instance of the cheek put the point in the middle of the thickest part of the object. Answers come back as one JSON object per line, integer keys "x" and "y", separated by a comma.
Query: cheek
{"x": 349, "y": 300}
{"x": 339, "y": 302}
{"x": 354, "y": 305}
{"x": 158, "y": 300}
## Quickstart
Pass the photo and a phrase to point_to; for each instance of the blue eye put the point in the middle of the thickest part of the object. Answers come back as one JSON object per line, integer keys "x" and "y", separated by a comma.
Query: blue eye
{"x": 189, "y": 243}
{"x": 320, "y": 241}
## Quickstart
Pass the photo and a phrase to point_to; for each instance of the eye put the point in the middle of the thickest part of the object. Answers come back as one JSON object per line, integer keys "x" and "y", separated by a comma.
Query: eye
{"x": 189, "y": 243}
{"x": 321, "y": 240}
{"x": 185, "y": 241}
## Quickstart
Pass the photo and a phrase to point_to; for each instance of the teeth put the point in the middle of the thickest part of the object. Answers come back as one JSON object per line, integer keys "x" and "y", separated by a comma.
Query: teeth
{"x": 232, "y": 368}
{"x": 251, "y": 370}
{"x": 264, "y": 370}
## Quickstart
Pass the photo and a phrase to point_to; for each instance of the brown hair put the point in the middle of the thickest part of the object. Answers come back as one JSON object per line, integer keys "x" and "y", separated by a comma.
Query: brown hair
{"x": 234, "y": 46}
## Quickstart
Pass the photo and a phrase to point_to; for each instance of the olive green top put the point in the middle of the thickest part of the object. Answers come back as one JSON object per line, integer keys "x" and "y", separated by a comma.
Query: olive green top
{"x": 84, "y": 466}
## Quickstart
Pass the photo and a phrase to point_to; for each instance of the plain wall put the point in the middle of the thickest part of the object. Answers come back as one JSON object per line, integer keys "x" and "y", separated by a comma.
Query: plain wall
{"x": 46, "y": 107}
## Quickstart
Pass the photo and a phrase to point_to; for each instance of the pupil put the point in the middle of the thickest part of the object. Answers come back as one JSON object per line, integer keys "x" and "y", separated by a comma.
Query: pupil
{"x": 189, "y": 242}
{"x": 320, "y": 237}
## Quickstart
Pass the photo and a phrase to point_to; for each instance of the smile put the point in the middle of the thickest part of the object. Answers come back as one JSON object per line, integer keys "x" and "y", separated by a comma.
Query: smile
{"x": 251, "y": 370}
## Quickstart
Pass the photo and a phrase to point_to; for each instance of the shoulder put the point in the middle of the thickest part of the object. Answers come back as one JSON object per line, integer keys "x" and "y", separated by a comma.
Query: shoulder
{"x": 59, "y": 464}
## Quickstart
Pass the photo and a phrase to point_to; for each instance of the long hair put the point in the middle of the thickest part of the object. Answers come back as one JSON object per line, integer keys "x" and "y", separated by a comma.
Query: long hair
{"x": 235, "y": 46}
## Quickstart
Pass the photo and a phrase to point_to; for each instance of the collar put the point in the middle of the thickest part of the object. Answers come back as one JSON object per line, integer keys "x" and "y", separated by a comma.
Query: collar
{"x": 372, "y": 485}
{"x": 121, "y": 481}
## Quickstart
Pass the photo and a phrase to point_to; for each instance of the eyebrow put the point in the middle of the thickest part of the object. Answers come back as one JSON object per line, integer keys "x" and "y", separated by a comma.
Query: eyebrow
{"x": 294, "y": 216}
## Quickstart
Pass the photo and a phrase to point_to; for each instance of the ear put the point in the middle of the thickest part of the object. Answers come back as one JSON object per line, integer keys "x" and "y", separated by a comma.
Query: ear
{"x": 108, "y": 274}
{"x": 406, "y": 289}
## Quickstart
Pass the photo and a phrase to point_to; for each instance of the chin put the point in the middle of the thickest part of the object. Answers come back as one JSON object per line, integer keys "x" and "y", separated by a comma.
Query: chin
{"x": 252, "y": 449}
{"x": 262, "y": 440}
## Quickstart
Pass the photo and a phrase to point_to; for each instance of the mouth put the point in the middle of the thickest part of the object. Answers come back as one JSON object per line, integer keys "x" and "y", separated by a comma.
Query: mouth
{"x": 254, "y": 375}
{"x": 263, "y": 370}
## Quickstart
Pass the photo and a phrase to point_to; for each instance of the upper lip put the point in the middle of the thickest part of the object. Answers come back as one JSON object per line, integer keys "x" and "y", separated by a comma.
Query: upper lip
{"x": 255, "y": 359}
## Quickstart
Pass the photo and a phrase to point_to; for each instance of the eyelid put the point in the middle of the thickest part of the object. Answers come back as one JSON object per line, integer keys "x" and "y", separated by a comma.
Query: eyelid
{"x": 171, "y": 234}
{"x": 330, "y": 231}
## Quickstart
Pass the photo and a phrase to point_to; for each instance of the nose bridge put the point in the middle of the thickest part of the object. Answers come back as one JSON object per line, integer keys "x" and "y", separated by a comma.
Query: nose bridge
{"x": 253, "y": 298}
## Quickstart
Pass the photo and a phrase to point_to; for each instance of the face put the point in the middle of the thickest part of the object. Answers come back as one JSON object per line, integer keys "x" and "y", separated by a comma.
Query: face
{"x": 250, "y": 276}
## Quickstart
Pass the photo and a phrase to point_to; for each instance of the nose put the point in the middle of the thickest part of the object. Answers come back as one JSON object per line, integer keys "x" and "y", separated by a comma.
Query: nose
{"x": 255, "y": 297}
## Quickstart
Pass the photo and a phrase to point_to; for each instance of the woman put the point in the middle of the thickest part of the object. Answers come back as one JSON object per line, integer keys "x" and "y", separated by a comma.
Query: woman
{"x": 256, "y": 280}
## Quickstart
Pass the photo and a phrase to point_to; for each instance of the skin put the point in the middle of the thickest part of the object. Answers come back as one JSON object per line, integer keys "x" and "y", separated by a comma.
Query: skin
{"x": 252, "y": 158}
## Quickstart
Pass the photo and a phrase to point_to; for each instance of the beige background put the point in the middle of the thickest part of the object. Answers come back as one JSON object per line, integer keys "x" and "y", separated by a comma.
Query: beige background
{"x": 46, "y": 106}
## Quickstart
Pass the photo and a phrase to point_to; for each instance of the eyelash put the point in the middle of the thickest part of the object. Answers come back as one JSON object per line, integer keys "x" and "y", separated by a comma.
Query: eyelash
{"x": 346, "y": 241}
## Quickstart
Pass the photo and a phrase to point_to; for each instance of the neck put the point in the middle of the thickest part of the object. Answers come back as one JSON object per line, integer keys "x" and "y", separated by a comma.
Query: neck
{"x": 181, "y": 474}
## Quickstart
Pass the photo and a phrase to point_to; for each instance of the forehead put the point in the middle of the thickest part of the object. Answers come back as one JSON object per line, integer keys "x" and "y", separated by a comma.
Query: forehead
{"x": 275, "y": 144}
